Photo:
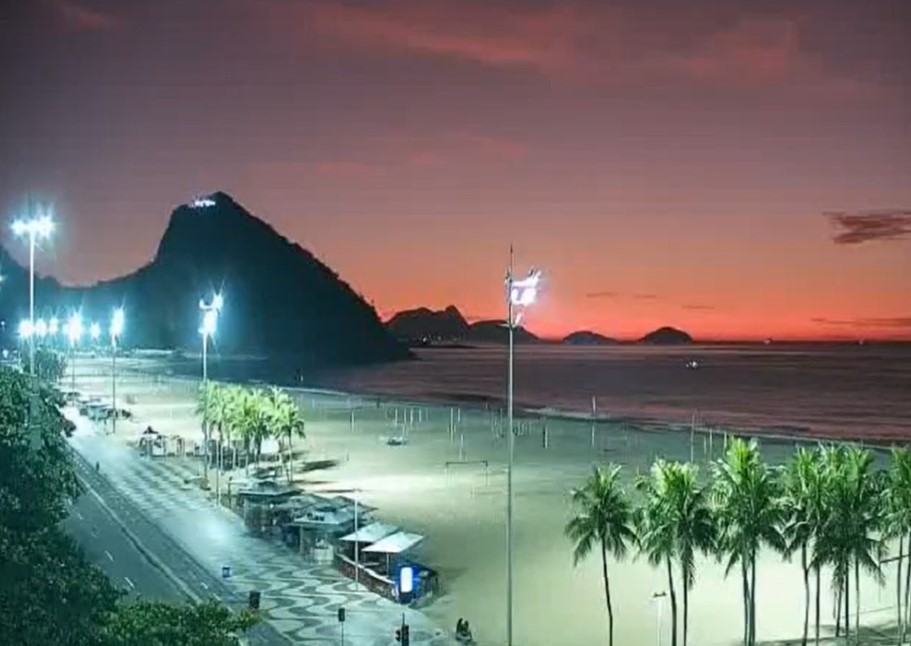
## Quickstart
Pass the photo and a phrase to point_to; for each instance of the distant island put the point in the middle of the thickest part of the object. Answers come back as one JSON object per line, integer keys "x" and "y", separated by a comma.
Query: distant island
{"x": 587, "y": 337}
{"x": 425, "y": 327}
{"x": 280, "y": 301}
{"x": 667, "y": 336}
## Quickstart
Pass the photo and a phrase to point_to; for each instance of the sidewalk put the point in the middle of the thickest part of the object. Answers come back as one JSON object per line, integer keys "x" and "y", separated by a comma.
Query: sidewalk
{"x": 299, "y": 599}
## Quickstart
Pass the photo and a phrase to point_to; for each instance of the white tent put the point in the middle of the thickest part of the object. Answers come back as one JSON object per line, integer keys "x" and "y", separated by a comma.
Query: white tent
{"x": 370, "y": 533}
{"x": 395, "y": 543}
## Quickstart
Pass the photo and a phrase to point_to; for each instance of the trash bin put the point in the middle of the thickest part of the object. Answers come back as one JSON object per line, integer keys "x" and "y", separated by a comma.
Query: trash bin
{"x": 254, "y": 600}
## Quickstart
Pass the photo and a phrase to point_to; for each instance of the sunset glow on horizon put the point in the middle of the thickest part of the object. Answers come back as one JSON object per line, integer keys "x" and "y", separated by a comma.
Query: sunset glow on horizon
{"x": 739, "y": 172}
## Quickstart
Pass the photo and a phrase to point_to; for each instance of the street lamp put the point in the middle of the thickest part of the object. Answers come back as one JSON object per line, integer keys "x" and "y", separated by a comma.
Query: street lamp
{"x": 36, "y": 228}
{"x": 74, "y": 333}
{"x": 207, "y": 329}
{"x": 116, "y": 331}
{"x": 520, "y": 294}
{"x": 25, "y": 329}
{"x": 40, "y": 328}
{"x": 658, "y": 600}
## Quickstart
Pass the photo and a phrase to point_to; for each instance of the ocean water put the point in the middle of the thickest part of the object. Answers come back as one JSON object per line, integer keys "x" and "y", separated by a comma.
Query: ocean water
{"x": 832, "y": 390}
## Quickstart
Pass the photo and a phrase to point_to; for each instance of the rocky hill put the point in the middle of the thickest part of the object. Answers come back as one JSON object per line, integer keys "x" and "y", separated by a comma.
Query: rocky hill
{"x": 279, "y": 300}
{"x": 496, "y": 332}
{"x": 423, "y": 325}
{"x": 587, "y": 337}
{"x": 667, "y": 336}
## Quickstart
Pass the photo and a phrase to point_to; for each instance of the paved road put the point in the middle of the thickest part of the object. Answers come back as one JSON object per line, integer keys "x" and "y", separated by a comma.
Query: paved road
{"x": 146, "y": 553}
{"x": 156, "y": 500}
{"x": 108, "y": 546}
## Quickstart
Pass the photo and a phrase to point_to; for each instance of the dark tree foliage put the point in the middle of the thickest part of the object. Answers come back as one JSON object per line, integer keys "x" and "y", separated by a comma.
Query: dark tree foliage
{"x": 49, "y": 594}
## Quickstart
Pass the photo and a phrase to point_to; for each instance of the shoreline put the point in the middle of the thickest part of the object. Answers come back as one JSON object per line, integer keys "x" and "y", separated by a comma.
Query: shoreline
{"x": 779, "y": 434}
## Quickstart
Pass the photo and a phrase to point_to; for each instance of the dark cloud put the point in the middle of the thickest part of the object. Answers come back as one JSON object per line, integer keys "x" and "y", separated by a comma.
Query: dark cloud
{"x": 881, "y": 322}
{"x": 84, "y": 17}
{"x": 645, "y": 297}
{"x": 860, "y": 227}
{"x": 697, "y": 308}
{"x": 604, "y": 294}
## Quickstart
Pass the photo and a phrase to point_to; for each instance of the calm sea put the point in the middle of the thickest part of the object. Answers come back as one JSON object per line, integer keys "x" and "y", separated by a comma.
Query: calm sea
{"x": 820, "y": 389}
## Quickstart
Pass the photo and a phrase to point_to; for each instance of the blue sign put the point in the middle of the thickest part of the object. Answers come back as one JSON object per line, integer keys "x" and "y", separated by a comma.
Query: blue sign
{"x": 406, "y": 580}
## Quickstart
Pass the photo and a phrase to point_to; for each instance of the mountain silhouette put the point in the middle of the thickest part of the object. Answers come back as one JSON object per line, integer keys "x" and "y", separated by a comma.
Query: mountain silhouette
{"x": 280, "y": 301}
{"x": 496, "y": 332}
{"x": 425, "y": 325}
{"x": 667, "y": 336}
{"x": 587, "y": 337}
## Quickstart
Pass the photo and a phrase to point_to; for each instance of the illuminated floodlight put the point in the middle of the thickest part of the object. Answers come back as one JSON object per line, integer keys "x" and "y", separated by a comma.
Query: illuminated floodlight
{"x": 117, "y": 321}
{"x": 53, "y": 327}
{"x": 218, "y": 302}
{"x": 202, "y": 203}
{"x": 40, "y": 227}
{"x": 209, "y": 323}
{"x": 74, "y": 329}
{"x": 25, "y": 329}
{"x": 95, "y": 331}
{"x": 524, "y": 292}
{"x": 40, "y": 328}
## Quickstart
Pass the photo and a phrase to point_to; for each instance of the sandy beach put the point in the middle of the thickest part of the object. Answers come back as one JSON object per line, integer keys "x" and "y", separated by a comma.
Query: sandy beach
{"x": 460, "y": 508}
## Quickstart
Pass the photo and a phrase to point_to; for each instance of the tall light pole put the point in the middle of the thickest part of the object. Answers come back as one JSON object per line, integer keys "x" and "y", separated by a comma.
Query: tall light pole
{"x": 116, "y": 331}
{"x": 210, "y": 312}
{"x": 35, "y": 228}
{"x": 519, "y": 295}
{"x": 74, "y": 332}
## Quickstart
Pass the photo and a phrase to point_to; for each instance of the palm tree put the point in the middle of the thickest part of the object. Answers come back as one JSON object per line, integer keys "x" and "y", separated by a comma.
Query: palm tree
{"x": 286, "y": 422}
{"x": 804, "y": 509}
{"x": 898, "y": 524}
{"x": 678, "y": 524}
{"x": 656, "y": 533}
{"x": 850, "y": 535}
{"x": 204, "y": 407}
{"x": 604, "y": 517}
{"x": 866, "y": 546}
{"x": 750, "y": 512}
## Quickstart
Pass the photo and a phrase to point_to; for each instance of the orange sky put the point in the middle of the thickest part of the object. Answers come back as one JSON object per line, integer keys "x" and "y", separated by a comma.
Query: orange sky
{"x": 662, "y": 162}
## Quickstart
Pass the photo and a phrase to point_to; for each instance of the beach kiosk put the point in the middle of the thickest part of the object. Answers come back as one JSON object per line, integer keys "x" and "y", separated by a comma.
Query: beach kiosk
{"x": 397, "y": 568}
{"x": 322, "y": 523}
{"x": 351, "y": 557}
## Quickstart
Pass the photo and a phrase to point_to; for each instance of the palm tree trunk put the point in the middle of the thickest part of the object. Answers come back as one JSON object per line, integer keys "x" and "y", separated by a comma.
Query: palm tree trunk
{"x": 847, "y": 600}
{"x": 838, "y": 594}
{"x": 753, "y": 598}
{"x": 818, "y": 594}
{"x": 806, "y": 593}
{"x": 908, "y": 589}
{"x": 670, "y": 584}
{"x": 610, "y": 607}
{"x": 746, "y": 602}
{"x": 857, "y": 600}
{"x": 898, "y": 588}
{"x": 686, "y": 604}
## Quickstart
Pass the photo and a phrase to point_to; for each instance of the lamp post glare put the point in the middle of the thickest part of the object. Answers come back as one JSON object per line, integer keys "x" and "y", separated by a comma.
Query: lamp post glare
{"x": 520, "y": 294}
{"x": 207, "y": 329}
{"x": 53, "y": 327}
{"x": 25, "y": 329}
{"x": 117, "y": 322}
{"x": 36, "y": 228}
{"x": 95, "y": 331}
{"x": 74, "y": 333}
{"x": 40, "y": 328}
